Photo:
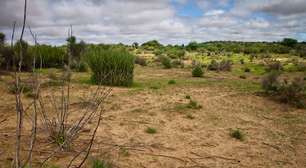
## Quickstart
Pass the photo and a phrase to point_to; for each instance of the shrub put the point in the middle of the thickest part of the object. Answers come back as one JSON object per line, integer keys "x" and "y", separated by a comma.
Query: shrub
{"x": 293, "y": 92}
{"x": 171, "y": 82}
{"x": 151, "y": 130}
{"x": 24, "y": 88}
{"x": 188, "y": 97}
{"x": 166, "y": 61}
{"x": 274, "y": 66}
{"x": 190, "y": 116}
{"x": 197, "y": 71}
{"x": 213, "y": 66}
{"x": 111, "y": 66}
{"x": 178, "y": 63}
{"x": 225, "y": 65}
{"x": 242, "y": 77}
{"x": 241, "y": 61}
{"x": 270, "y": 82}
{"x": 247, "y": 70}
{"x": 237, "y": 134}
{"x": 101, "y": 164}
{"x": 140, "y": 61}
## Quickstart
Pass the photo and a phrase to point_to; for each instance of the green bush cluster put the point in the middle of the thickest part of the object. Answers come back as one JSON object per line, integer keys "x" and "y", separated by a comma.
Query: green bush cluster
{"x": 224, "y": 65}
{"x": 197, "y": 71}
{"x": 113, "y": 66}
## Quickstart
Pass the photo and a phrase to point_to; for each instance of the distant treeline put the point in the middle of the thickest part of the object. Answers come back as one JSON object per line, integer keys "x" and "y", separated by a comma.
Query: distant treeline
{"x": 47, "y": 56}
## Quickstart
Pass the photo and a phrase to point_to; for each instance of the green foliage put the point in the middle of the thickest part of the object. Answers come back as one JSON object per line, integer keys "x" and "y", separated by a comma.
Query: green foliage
{"x": 274, "y": 66}
{"x": 237, "y": 134}
{"x": 171, "y": 82}
{"x": 151, "y": 45}
{"x": 289, "y": 42}
{"x": 101, "y": 164}
{"x": 151, "y": 130}
{"x": 111, "y": 66}
{"x": 79, "y": 66}
{"x": 24, "y": 88}
{"x": 188, "y": 97}
{"x": 197, "y": 71}
{"x": 166, "y": 62}
{"x": 224, "y": 65}
{"x": 192, "y": 46}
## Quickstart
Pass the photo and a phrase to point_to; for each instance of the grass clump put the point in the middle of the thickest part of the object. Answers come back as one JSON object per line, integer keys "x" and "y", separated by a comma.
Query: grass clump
{"x": 171, "y": 82}
{"x": 237, "y": 134}
{"x": 96, "y": 163}
{"x": 197, "y": 71}
{"x": 188, "y": 97}
{"x": 113, "y": 66}
{"x": 151, "y": 130}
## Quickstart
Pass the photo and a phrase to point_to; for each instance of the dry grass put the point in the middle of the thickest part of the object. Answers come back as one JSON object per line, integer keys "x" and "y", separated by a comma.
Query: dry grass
{"x": 275, "y": 133}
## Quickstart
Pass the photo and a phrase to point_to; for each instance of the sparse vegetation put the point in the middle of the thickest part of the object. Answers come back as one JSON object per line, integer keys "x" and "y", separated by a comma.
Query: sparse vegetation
{"x": 171, "y": 82}
{"x": 237, "y": 134}
{"x": 151, "y": 130}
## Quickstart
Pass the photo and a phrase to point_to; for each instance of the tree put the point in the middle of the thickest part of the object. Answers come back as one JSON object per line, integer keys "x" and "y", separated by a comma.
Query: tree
{"x": 289, "y": 42}
{"x": 2, "y": 38}
{"x": 135, "y": 45}
{"x": 192, "y": 46}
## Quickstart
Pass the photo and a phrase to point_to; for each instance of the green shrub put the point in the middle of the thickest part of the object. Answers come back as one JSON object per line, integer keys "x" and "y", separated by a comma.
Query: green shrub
{"x": 24, "y": 88}
{"x": 237, "y": 134}
{"x": 247, "y": 69}
{"x": 188, "y": 97}
{"x": 197, "y": 71}
{"x": 171, "y": 82}
{"x": 140, "y": 61}
{"x": 213, "y": 66}
{"x": 178, "y": 63}
{"x": 101, "y": 164}
{"x": 166, "y": 62}
{"x": 151, "y": 130}
{"x": 111, "y": 66}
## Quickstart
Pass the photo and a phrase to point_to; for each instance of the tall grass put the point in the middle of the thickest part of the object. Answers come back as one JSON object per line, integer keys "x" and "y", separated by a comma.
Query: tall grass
{"x": 113, "y": 66}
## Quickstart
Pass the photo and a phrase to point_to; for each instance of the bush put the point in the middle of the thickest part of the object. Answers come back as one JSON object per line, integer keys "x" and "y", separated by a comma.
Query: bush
{"x": 101, "y": 164}
{"x": 247, "y": 70}
{"x": 225, "y": 65}
{"x": 178, "y": 63}
{"x": 270, "y": 82}
{"x": 274, "y": 66}
{"x": 242, "y": 77}
{"x": 171, "y": 82}
{"x": 213, "y": 66}
{"x": 150, "y": 130}
{"x": 197, "y": 71}
{"x": 293, "y": 92}
{"x": 140, "y": 61}
{"x": 237, "y": 134}
{"x": 111, "y": 66}
{"x": 166, "y": 61}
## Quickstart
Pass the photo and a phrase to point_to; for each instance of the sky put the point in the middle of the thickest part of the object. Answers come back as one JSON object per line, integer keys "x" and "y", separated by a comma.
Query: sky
{"x": 168, "y": 21}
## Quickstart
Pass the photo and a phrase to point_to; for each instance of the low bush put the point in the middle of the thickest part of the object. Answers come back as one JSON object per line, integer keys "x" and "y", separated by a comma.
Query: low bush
{"x": 100, "y": 164}
{"x": 178, "y": 63}
{"x": 166, "y": 62}
{"x": 242, "y": 77}
{"x": 197, "y": 71}
{"x": 247, "y": 69}
{"x": 79, "y": 66}
{"x": 293, "y": 92}
{"x": 274, "y": 66}
{"x": 270, "y": 83}
{"x": 237, "y": 134}
{"x": 151, "y": 130}
{"x": 140, "y": 61}
{"x": 111, "y": 66}
{"x": 224, "y": 65}
{"x": 171, "y": 82}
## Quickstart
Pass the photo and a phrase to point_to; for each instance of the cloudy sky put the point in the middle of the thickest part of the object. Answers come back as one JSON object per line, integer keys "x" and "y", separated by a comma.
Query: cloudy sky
{"x": 169, "y": 21}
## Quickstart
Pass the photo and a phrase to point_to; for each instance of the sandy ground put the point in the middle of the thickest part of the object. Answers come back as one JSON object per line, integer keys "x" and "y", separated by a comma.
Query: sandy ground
{"x": 275, "y": 134}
